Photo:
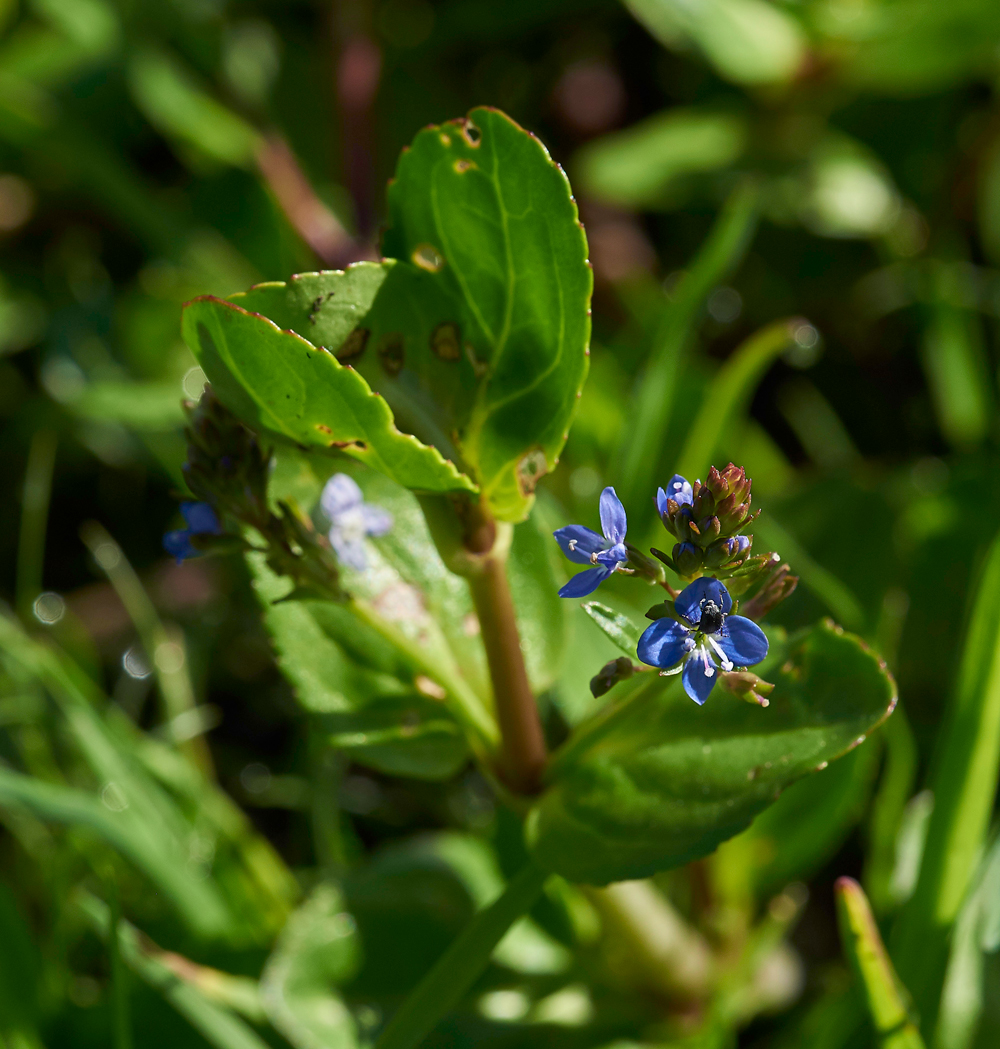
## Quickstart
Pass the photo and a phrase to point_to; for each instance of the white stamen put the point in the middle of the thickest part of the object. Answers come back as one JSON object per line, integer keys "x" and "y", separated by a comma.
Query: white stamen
{"x": 727, "y": 664}
{"x": 677, "y": 486}
{"x": 572, "y": 544}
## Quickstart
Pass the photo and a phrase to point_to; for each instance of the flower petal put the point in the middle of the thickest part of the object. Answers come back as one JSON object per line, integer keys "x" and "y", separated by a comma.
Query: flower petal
{"x": 201, "y": 519}
{"x": 349, "y": 548}
{"x": 340, "y": 493}
{"x": 664, "y": 644}
{"x": 178, "y": 544}
{"x": 679, "y": 489}
{"x": 585, "y": 542}
{"x": 742, "y": 640}
{"x": 584, "y": 583}
{"x": 693, "y": 596}
{"x": 616, "y": 555}
{"x": 377, "y": 521}
{"x": 699, "y": 676}
{"x": 613, "y": 522}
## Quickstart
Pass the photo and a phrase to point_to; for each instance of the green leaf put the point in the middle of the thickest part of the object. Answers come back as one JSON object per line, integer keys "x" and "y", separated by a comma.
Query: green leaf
{"x": 964, "y": 785}
{"x": 316, "y": 949}
{"x": 747, "y": 41}
{"x": 640, "y": 166}
{"x": 620, "y": 629}
{"x": 863, "y": 946}
{"x": 656, "y": 781}
{"x": 409, "y": 736}
{"x": 480, "y": 206}
{"x": 791, "y": 840}
{"x": 277, "y": 381}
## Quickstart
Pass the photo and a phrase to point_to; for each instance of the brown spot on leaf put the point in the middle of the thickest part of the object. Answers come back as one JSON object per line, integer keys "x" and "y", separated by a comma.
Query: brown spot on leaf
{"x": 359, "y": 445}
{"x": 353, "y": 346}
{"x": 472, "y": 135}
{"x": 390, "y": 352}
{"x": 446, "y": 341}
{"x": 323, "y": 429}
{"x": 462, "y": 166}
{"x": 531, "y": 467}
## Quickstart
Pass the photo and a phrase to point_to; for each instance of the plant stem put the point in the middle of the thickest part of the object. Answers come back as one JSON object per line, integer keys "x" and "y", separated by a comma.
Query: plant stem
{"x": 460, "y": 966}
{"x": 119, "y": 979}
{"x": 523, "y": 752}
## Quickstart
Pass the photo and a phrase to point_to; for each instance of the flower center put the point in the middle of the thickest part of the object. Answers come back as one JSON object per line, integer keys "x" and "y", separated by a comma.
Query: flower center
{"x": 712, "y": 618}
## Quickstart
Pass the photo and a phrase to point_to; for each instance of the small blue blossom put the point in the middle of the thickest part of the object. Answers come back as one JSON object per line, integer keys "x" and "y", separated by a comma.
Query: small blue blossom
{"x": 351, "y": 519}
{"x": 707, "y": 631}
{"x": 201, "y": 520}
{"x": 679, "y": 489}
{"x": 606, "y": 553}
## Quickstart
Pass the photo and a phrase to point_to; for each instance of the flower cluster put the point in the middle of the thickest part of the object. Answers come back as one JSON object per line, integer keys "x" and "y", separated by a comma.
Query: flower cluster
{"x": 707, "y": 519}
{"x": 696, "y": 633}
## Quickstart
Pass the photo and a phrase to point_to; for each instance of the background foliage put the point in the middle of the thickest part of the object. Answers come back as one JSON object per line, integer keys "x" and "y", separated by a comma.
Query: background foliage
{"x": 735, "y": 162}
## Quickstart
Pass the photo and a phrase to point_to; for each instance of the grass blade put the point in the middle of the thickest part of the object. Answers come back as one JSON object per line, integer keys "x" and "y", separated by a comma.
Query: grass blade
{"x": 460, "y": 966}
{"x": 964, "y": 787}
{"x": 217, "y": 1024}
{"x": 34, "y": 518}
{"x": 866, "y": 952}
{"x": 719, "y": 256}
{"x": 729, "y": 394}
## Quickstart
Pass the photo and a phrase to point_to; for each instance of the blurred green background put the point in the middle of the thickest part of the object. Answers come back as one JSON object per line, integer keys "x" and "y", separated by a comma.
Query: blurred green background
{"x": 153, "y": 151}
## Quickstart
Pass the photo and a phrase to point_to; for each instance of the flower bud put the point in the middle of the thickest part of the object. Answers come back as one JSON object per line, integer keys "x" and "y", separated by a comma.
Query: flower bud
{"x": 687, "y": 559}
{"x": 727, "y": 552}
{"x": 746, "y": 685}
{"x": 779, "y": 585}
{"x": 610, "y": 674}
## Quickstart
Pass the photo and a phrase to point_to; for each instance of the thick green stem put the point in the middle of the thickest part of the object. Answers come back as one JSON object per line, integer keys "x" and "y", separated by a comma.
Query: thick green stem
{"x": 461, "y": 965}
{"x": 523, "y": 753}
{"x": 34, "y": 518}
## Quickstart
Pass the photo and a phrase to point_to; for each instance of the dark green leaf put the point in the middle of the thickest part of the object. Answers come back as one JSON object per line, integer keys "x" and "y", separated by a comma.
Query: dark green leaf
{"x": 277, "y": 381}
{"x": 656, "y": 781}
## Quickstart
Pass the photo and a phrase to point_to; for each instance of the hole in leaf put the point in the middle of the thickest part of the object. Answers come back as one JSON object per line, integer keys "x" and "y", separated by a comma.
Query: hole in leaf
{"x": 353, "y": 346}
{"x": 359, "y": 445}
{"x": 427, "y": 257}
{"x": 446, "y": 341}
{"x": 390, "y": 352}
{"x": 462, "y": 166}
{"x": 530, "y": 469}
{"x": 472, "y": 134}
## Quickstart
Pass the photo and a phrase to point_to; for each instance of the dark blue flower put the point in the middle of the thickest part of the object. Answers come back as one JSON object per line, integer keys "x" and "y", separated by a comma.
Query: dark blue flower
{"x": 606, "y": 553}
{"x": 351, "y": 519}
{"x": 201, "y": 520}
{"x": 706, "y": 631}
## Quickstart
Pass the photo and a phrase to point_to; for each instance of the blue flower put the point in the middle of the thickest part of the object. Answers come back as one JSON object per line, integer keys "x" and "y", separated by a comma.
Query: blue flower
{"x": 351, "y": 519}
{"x": 707, "y": 631}
{"x": 201, "y": 520}
{"x": 679, "y": 489}
{"x": 606, "y": 553}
